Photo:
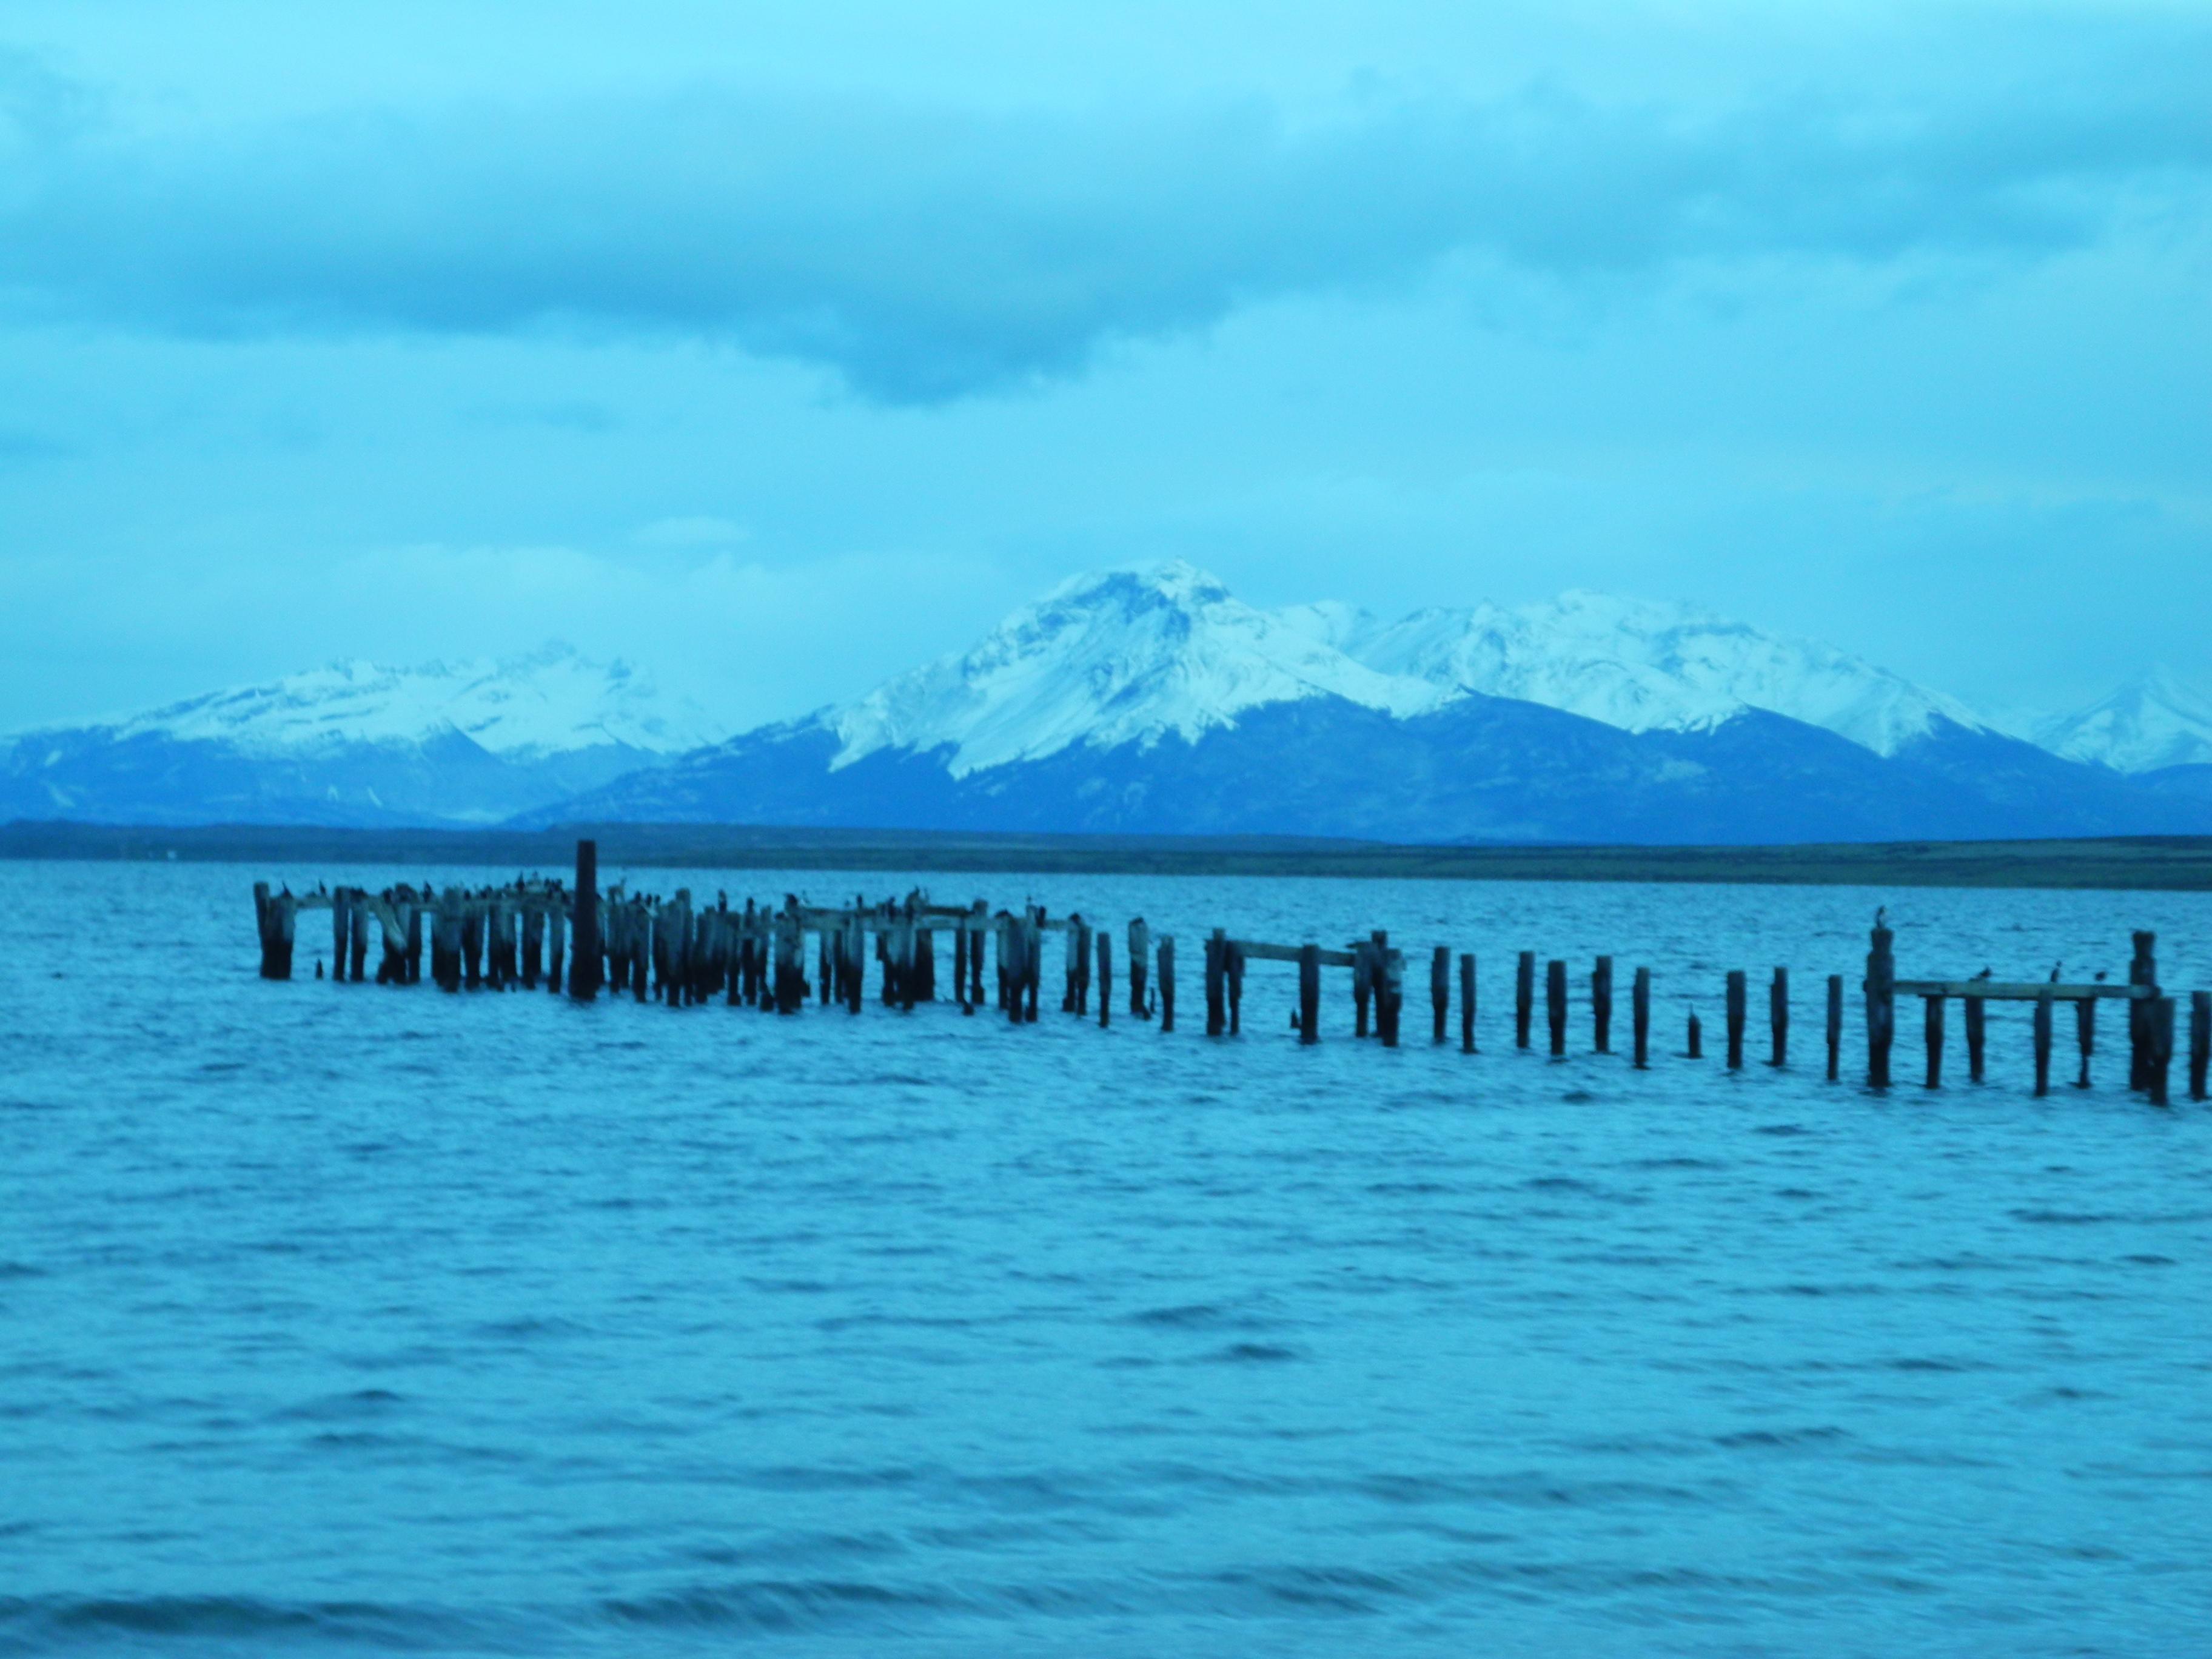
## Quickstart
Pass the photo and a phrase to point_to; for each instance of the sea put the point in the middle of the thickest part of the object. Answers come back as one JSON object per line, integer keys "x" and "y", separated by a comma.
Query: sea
{"x": 348, "y": 1319}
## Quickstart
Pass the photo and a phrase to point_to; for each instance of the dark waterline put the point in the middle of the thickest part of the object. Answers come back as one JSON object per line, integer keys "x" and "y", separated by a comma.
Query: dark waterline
{"x": 343, "y": 1317}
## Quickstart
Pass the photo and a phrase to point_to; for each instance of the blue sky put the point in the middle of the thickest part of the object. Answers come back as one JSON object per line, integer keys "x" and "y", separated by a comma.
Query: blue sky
{"x": 780, "y": 348}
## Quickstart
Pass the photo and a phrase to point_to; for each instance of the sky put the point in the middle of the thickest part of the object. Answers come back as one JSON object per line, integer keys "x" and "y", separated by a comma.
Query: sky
{"x": 777, "y": 349}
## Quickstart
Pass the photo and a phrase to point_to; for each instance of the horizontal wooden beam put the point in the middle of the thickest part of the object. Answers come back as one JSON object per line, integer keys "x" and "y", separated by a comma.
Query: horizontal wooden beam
{"x": 1255, "y": 952}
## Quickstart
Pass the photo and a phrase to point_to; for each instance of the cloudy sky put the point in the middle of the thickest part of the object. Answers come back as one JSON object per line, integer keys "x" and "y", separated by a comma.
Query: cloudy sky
{"x": 778, "y": 348}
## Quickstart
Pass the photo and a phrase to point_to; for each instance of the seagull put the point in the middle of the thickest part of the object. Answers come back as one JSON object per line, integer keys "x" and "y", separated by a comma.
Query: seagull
{"x": 2054, "y": 967}
{"x": 2100, "y": 977}
{"x": 1984, "y": 973}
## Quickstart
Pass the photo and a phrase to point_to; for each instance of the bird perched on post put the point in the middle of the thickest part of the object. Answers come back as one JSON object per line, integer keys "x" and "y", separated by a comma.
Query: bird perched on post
{"x": 1881, "y": 915}
{"x": 2054, "y": 967}
{"x": 1984, "y": 973}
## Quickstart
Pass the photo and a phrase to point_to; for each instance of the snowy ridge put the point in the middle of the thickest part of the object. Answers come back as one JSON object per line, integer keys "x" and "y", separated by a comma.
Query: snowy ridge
{"x": 1111, "y": 658}
{"x": 2156, "y": 722}
{"x": 1638, "y": 665}
{"x": 551, "y": 701}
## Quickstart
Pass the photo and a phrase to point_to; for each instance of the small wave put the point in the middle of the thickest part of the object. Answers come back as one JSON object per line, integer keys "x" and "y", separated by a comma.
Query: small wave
{"x": 1251, "y": 1353}
{"x": 340, "y": 1408}
{"x": 1778, "y": 1439}
{"x": 44, "y": 1621}
{"x": 20, "y": 1270}
{"x": 777, "y": 1605}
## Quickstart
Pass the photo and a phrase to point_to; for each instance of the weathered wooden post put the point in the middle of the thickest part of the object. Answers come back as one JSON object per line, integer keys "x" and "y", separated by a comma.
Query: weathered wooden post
{"x": 1466, "y": 1002}
{"x": 909, "y": 954}
{"x": 533, "y": 946}
{"x": 1977, "y": 1036}
{"x": 2085, "y": 1035}
{"x": 1309, "y": 993}
{"x": 584, "y": 972}
{"x": 1695, "y": 1044}
{"x": 1217, "y": 966}
{"x": 1440, "y": 988}
{"x": 825, "y": 962}
{"x": 1738, "y": 1012}
{"x": 1141, "y": 955}
{"x": 1167, "y": 982}
{"x": 1639, "y": 1016}
{"x": 925, "y": 960}
{"x": 357, "y": 931}
{"x": 1602, "y": 1004}
{"x": 1364, "y": 969}
{"x": 1390, "y": 990}
{"x": 1935, "y": 1023}
{"x": 1835, "y": 1026}
{"x": 472, "y": 941}
{"x": 1881, "y": 1006}
{"x": 1105, "y": 948}
{"x": 1233, "y": 962}
{"x": 1033, "y": 933}
{"x": 1524, "y": 998}
{"x": 2043, "y": 1022}
{"x": 2142, "y": 971}
{"x": 1778, "y": 1017}
{"x": 960, "y": 961}
{"x": 415, "y": 943}
{"x": 261, "y": 929}
{"x": 339, "y": 916}
{"x": 1555, "y": 1005}
{"x": 2200, "y": 1041}
{"x": 856, "y": 960}
{"x": 978, "y": 913}
{"x": 556, "y": 941}
{"x": 2158, "y": 1058}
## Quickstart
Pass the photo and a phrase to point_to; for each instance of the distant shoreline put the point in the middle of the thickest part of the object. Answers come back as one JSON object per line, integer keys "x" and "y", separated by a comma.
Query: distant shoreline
{"x": 2160, "y": 863}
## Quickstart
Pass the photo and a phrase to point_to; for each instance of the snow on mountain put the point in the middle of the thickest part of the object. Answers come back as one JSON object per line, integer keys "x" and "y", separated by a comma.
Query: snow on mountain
{"x": 1638, "y": 665}
{"x": 551, "y": 701}
{"x": 1111, "y": 658}
{"x": 2156, "y": 722}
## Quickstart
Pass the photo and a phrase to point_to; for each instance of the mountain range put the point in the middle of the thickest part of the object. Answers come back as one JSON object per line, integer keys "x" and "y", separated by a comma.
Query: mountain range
{"x": 1152, "y": 700}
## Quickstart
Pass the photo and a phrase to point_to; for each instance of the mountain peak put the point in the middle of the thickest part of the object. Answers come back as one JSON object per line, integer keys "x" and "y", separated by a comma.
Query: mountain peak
{"x": 1131, "y": 654}
{"x": 2152, "y": 722}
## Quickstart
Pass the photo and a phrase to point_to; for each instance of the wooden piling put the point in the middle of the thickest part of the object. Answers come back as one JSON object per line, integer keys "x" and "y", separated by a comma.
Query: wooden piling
{"x": 2200, "y": 1041}
{"x": 1977, "y": 1036}
{"x": 1881, "y": 1005}
{"x": 556, "y": 941}
{"x": 1234, "y": 962}
{"x": 415, "y": 945}
{"x": 1835, "y": 1026}
{"x": 978, "y": 913}
{"x": 1141, "y": 955}
{"x": 2142, "y": 971}
{"x": 1555, "y": 1005}
{"x": 472, "y": 940}
{"x": 584, "y": 971}
{"x": 1167, "y": 982}
{"x": 1601, "y": 1005}
{"x": 1524, "y": 998}
{"x": 1739, "y": 998}
{"x": 2043, "y": 1022}
{"x": 1390, "y": 990}
{"x": 2085, "y": 1036}
{"x": 1309, "y": 994}
{"x": 1034, "y": 932}
{"x": 1364, "y": 967}
{"x": 1466, "y": 1002}
{"x": 533, "y": 946}
{"x": 1105, "y": 949}
{"x": 1640, "y": 1017}
{"x": 1217, "y": 965}
{"x": 1695, "y": 1048}
{"x": 341, "y": 914}
{"x": 1777, "y": 1018}
{"x": 1935, "y": 1024}
{"x": 2157, "y": 1057}
{"x": 1440, "y": 988}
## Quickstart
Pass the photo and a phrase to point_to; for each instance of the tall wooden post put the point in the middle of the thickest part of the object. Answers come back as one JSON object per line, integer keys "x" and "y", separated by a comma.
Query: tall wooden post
{"x": 1466, "y": 1002}
{"x": 1778, "y": 1017}
{"x": 1233, "y": 962}
{"x": 1309, "y": 994}
{"x": 556, "y": 942}
{"x": 341, "y": 914}
{"x": 1440, "y": 989}
{"x": 960, "y": 961}
{"x": 2085, "y": 1036}
{"x": 1033, "y": 933}
{"x": 2200, "y": 1041}
{"x": 1835, "y": 1026}
{"x": 2158, "y": 1058}
{"x": 584, "y": 971}
{"x": 1695, "y": 1044}
{"x": 1140, "y": 956}
{"x": 1390, "y": 990}
{"x": 1881, "y": 1006}
{"x": 1602, "y": 1004}
{"x": 357, "y": 931}
{"x": 1105, "y": 978}
{"x": 1738, "y": 1012}
{"x": 1639, "y": 1018}
{"x": 1935, "y": 1021}
{"x": 261, "y": 929}
{"x": 415, "y": 944}
{"x": 1524, "y": 998}
{"x": 1555, "y": 1005}
{"x": 1216, "y": 969}
{"x": 1167, "y": 982}
{"x": 1364, "y": 970}
{"x": 2143, "y": 970}
{"x": 2043, "y": 1023}
{"x": 1977, "y": 1036}
{"x": 977, "y": 913}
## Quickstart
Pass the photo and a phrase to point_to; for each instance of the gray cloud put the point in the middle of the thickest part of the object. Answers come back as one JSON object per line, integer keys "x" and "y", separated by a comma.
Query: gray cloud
{"x": 925, "y": 253}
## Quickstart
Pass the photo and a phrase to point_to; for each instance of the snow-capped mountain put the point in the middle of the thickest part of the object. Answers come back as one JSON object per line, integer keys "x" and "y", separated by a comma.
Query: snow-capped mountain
{"x": 470, "y": 742}
{"x": 1151, "y": 700}
{"x": 1112, "y": 657}
{"x": 1638, "y": 665}
{"x": 2155, "y": 724}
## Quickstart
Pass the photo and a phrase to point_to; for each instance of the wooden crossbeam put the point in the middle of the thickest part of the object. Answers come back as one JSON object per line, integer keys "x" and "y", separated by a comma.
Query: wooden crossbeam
{"x": 2005, "y": 991}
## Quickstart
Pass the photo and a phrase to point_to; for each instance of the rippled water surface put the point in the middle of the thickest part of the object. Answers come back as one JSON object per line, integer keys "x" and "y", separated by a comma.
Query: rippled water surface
{"x": 344, "y": 1317}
